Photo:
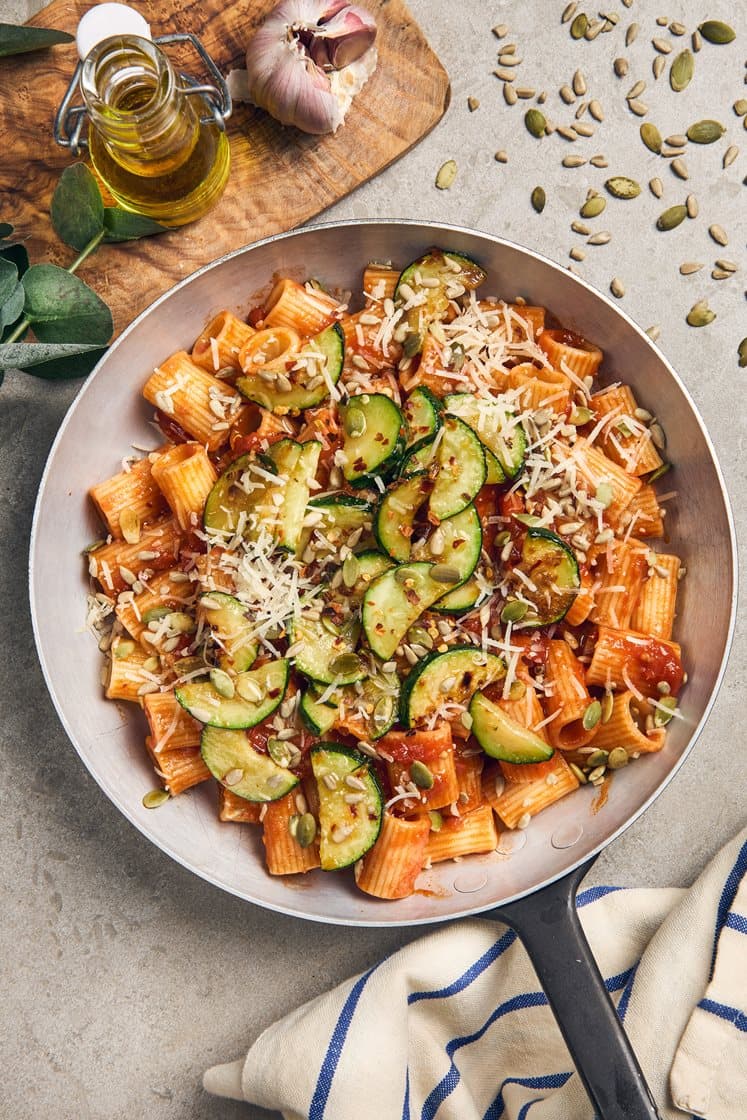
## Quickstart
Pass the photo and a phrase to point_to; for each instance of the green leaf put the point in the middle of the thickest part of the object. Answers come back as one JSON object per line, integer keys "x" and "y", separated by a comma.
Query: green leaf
{"x": 77, "y": 209}
{"x": 121, "y": 225}
{"x": 8, "y": 280}
{"x": 12, "y": 309}
{"x": 50, "y": 361}
{"x": 20, "y": 40}
{"x": 16, "y": 253}
{"x": 5, "y": 230}
{"x": 64, "y": 309}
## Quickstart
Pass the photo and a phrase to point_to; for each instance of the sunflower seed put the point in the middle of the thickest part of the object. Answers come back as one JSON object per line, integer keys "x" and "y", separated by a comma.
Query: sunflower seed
{"x": 740, "y": 107}
{"x": 472, "y": 104}
{"x": 567, "y": 95}
{"x": 584, "y": 130}
{"x": 620, "y": 186}
{"x": 535, "y": 123}
{"x": 500, "y": 30}
{"x": 538, "y": 199}
{"x": 656, "y": 187}
{"x": 525, "y": 92}
{"x": 617, "y": 288}
{"x": 593, "y": 207}
{"x": 602, "y": 238}
{"x": 577, "y": 254}
{"x": 705, "y": 132}
{"x": 714, "y": 31}
{"x": 662, "y": 21}
{"x": 676, "y": 140}
{"x": 569, "y": 11}
{"x": 662, "y": 46}
{"x": 594, "y": 29}
{"x": 504, "y": 75}
{"x": 727, "y": 266}
{"x": 507, "y": 48}
{"x": 718, "y": 233}
{"x": 581, "y": 110}
{"x": 509, "y": 60}
{"x": 687, "y": 268}
{"x": 720, "y": 274}
{"x": 155, "y": 797}
{"x": 651, "y": 137}
{"x": 233, "y": 777}
{"x": 742, "y": 353}
{"x": 608, "y": 703}
{"x": 598, "y": 161}
{"x": 621, "y": 67}
{"x": 579, "y": 84}
{"x": 446, "y": 175}
{"x": 658, "y": 66}
{"x": 635, "y": 91}
{"x": 679, "y": 167}
{"x": 700, "y": 314}
{"x": 697, "y": 41}
{"x": 509, "y": 94}
{"x": 638, "y": 107}
{"x": 671, "y": 218}
{"x": 631, "y": 34}
{"x": 595, "y": 109}
{"x": 730, "y": 155}
{"x": 677, "y": 28}
{"x": 542, "y": 97}
{"x": 579, "y": 227}
{"x": 578, "y": 774}
{"x": 653, "y": 332}
{"x": 573, "y": 161}
{"x": 501, "y": 156}
{"x": 682, "y": 70}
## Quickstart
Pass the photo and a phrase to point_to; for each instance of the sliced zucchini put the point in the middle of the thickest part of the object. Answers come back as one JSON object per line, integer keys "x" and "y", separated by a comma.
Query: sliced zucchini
{"x": 446, "y": 678}
{"x": 396, "y": 514}
{"x": 496, "y": 426}
{"x": 422, "y": 412}
{"x": 329, "y": 351}
{"x": 461, "y": 599}
{"x": 297, "y": 464}
{"x": 207, "y": 705}
{"x": 319, "y": 718}
{"x": 502, "y": 737}
{"x": 459, "y": 545}
{"x": 325, "y": 652}
{"x": 455, "y": 274}
{"x": 496, "y": 473}
{"x": 393, "y": 602}
{"x": 230, "y": 497}
{"x": 347, "y": 828}
{"x": 343, "y": 511}
{"x": 418, "y": 460}
{"x": 374, "y": 438}
{"x": 231, "y": 758}
{"x": 552, "y": 570}
{"x": 370, "y": 565}
{"x": 460, "y": 460}
{"x": 231, "y": 629}
{"x": 372, "y": 704}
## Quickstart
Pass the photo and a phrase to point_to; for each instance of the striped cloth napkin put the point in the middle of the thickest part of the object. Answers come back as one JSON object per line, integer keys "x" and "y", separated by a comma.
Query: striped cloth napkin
{"x": 455, "y": 1027}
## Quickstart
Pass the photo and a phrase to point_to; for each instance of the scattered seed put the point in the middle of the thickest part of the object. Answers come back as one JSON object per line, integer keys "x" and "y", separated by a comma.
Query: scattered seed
{"x": 444, "y": 573}
{"x": 635, "y": 91}
{"x": 567, "y": 95}
{"x": 501, "y": 156}
{"x": 509, "y": 59}
{"x": 671, "y": 218}
{"x": 155, "y": 797}
{"x": 510, "y": 95}
{"x": 730, "y": 155}
{"x": 525, "y": 92}
{"x": 420, "y": 775}
{"x": 677, "y": 28}
{"x": 662, "y": 46}
{"x": 584, "y": 129}
{"x": 638, "y": 107}
{"x": 676, "y": 140}
{"x": 592, "y": 716}
{"x": 620, "y": 186}
{"x": 596, "y": 111}
{"x": 687, "y": 268}
{"x": 742, "y": 353}
{"x": 662, "y": 21}
{"x": 598, "y": 161}
{"x": 656, "y": 187}
{"x": 222, "y": 684}
{"x": 504, "y": 75}
{"x": 618, "y": 758}
{"x": 472, "y": 104}
{"x": 651, "y": 137}
{"x": 579, "y": 26}
{"x": 514, "y": 611}
{"x": 631, "y": 34}
{"x": 579, "y": 227}
{"x": 569, "y": 11}
{"x": 305, "y": 830}
{"x": 602, "y": 238}
{"x": 658, "y": 66}
{"x": 535, "y": 123}
{"x": 233, "y": 777}
{"x": 581, "y": 110}
{"x": 718, "y": 233}
{"x": 578, "y": 774}
{"x": 608, "y": 702}
{"x": 727, "y": 266}
{"x": 566, "y": 133}
{"x": 653, "y": 332}
{"x": 697, "y": 41}
{"x": 617, "y": 288}
{"x": 720, "y": 274}
{"x": 714, "y": 31}
{"x": 593, "y": 206}
{"x": 740, "y": 107}
{"x": 573, "y": 161}
{"x": 500, "y": 30}
{"x": 539, "y": 199}
{"x": 679, "y": 167}
{"x": 580, "y": 416}
{"x": 705, "y": 132}
{"x": 593, "y": 30}
{"x": 681, "y": 71}
{"x": 700, "y": 314}
{"x": 621, "y": 67}
{"x": 596, "y": 775}
{"x": 577, "y": 254}
{"x": 446, "y": 175}
{"x": 579, "y": 84}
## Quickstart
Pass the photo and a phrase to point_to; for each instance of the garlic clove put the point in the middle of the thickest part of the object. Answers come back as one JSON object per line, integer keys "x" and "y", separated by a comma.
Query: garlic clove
{"x": 342, "y": 39}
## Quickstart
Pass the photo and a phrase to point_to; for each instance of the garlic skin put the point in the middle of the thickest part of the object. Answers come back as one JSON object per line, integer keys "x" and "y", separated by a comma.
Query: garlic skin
{"x": 298, "y": 52}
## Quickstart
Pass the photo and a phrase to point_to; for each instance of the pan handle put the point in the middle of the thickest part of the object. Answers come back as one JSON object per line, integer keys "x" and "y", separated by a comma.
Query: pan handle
{"x": 548, "y": 926}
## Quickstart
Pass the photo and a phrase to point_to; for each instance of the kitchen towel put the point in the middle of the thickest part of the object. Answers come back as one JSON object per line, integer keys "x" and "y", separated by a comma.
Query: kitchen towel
{"x": 455, "y": 1026}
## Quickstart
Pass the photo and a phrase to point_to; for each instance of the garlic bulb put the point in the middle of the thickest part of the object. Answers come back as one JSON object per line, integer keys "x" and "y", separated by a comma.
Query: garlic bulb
{"x": 296, "y": 50}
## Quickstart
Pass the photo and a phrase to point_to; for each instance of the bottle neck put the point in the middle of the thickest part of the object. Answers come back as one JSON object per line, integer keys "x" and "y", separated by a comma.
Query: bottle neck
{"x": 135, "y": 103}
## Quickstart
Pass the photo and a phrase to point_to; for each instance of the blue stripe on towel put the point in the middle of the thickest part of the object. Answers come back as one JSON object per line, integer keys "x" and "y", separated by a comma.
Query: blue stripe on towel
{"x": 622, "y": 1006}
{"x": 728, "y": 895}
{"x": 593, "y": 894}
{"x": 737, "y": 922}
{"x": 472, "y": 973}
{"x": 723, "y": 1011}
{"x": 334, "y": 1049}
{"x": 550, "y": 1081}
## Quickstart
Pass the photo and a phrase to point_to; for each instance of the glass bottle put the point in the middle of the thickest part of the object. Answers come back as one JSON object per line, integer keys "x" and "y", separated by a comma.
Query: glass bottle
{"x": 146, "y": 140}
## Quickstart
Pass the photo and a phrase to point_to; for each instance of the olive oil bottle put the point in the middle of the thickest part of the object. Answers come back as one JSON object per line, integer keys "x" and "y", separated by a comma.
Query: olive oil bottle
{"x": 146, "y": 139}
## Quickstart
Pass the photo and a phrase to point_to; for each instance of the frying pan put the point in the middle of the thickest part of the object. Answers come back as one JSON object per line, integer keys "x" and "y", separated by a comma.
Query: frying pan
{"x": 532, "y": 889}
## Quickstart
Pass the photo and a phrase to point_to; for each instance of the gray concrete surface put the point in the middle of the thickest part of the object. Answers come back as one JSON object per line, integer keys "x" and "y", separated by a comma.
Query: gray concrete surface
{"x": 123, "y": 976}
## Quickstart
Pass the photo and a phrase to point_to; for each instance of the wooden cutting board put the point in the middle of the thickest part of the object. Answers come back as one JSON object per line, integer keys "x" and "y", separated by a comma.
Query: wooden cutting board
{"x": 279, "y": 177}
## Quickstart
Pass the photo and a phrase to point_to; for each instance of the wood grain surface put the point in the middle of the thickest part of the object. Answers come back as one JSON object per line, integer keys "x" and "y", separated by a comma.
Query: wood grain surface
{"x": 279, "y": 177}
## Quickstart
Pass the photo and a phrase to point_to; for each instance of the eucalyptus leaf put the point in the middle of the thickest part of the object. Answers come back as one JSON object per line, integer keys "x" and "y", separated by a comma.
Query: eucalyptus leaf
{"x": 77, "y": 209}
{"x": 45, "y": 359}
{"x": 16, "y": 253}
{"x": 64, "y": 309}
{"x": 12, "y": 308}
{"x": 8, "y": 280}
{"x": 20, "y": 40}
{"x": 5, "y": 230}
{"x": 121, "y": 225}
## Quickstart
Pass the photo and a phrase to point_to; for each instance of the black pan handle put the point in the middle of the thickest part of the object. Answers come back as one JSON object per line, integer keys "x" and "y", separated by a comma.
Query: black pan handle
{"x": 548, "y": 926}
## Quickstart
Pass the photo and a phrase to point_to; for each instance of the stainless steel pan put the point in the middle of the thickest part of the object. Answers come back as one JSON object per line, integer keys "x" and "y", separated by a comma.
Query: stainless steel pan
{"x": 533, "y": 890}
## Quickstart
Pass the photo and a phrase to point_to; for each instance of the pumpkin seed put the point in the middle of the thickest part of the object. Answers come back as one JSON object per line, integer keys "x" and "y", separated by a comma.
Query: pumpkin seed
{"x": 681, "y": 71}
{"x": 517, "y": 691}
{"x": 577, "y": 254}
{"x": 621, "y": 67}
{"x": 596, "y": 775}
{"x": 579, "y": 26}
{"x": 617, "y": 288}
{"x": 679, "y": 167}
{"x": 631, "y": 34}
{"x": 514, "y": 611}
{"x": 436, "y": 820}
{"x": 501, "y": 156}
{"x": 535, "y": 122}
{"x": 579, "y": 774}
{"x": 155, "y": 614}
{"x": 420, "y": 775}
{"x": 181, "y": 622}
{"x": 671, "y": 218}
{"x": 598, "y": 758}
{"x": 700, "y": 315}
{"x": 510, "y": 96}
{"x": 354, "y": 422}
{"x": 593, "y": 206}
{"x": 444, "y": 573}
{"x": 619, "y": 186}
{"x": 687, "y": 268}
{"x": 573, "y": 161}
{"x": 742, "y": 353}
{"x": 617, "y": 759}
{"x": 249, "y": 690}
{"x": 718, "y": 233}
{"x": 222, "y": 683}
{"x": 446, "y": 175}
{"x": 538, "y": 199}
{"x": 580, "y": 416}
{"x": 579, "y": 84}
{"x": 123, "y": 649}
{"x": 691, "y": 205}
{"x": 155, "y": 797}
{"x": 592, "y": 716}
{"x": 651, "y": 137}
{"x": 280, "y": 751}
{"x": 714, "y": 31}
{"x": 730, "y": 155}
{"x": 608, "y": 703}
{"x": 705, "y": 132}
{"x": 129, "y": 523}
{"x": 638, "y": 107}
{"x": 603, "y": 494}
{"x": 663, "y": 717}
{"x": 351, "y": 569}
{"x": 345, "y": 664}
{"x": 740, "y": 107}
{"x": 656, "y": 187}
{"x": 305, "y": 830}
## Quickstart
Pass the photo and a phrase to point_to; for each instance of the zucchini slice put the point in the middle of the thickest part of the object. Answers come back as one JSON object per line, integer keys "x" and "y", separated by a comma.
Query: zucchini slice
{"x": 251, "y": 775}
{"x": 297, "y": 464}
{"x": 461, "y": 599}
{"x": 396, "y": 514}
{"x": 343, "y": 511}
{"x": 393, "y": 602}
{"x": 494, "y": 423}
{"x": 348, "y": 828}
{"x": 230, "y": 497}
{"x": 446, "y": 678}
{"x": 319, "y": 718}
{"x": 455, "y": 273}
{"x": 370, "y": 565}
{"x": 374, "y": 439}
{"x": 422, "y": 412}
{"x": 462, "y": 471}
{"x": 323, "y": 655}
{"x": 552, "y": 570}
{"x": 502, "y": 737}
{"x": 231, "y": 629}
{"x": 327, "y": 350}
{"x": 460, "y": 545}
{"x": 206, "y": 704}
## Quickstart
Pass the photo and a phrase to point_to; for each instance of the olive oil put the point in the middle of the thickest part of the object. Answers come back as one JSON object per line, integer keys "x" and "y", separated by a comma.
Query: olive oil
{"x": 146, "y": 139}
